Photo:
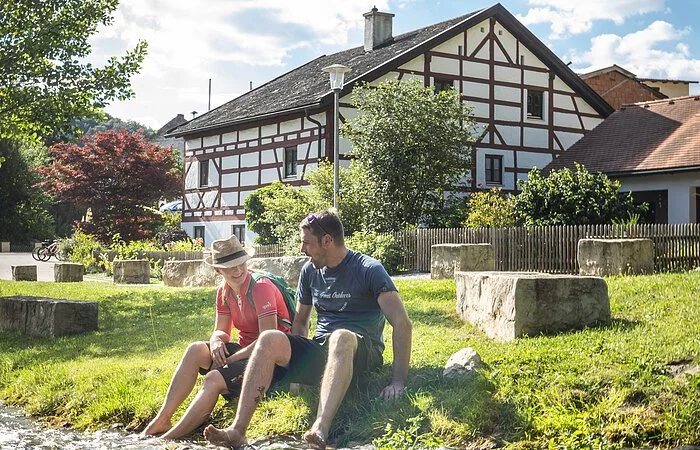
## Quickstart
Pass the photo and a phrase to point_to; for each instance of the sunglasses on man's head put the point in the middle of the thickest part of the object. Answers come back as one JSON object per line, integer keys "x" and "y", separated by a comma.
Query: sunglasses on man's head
{"x": 311, "y": 218}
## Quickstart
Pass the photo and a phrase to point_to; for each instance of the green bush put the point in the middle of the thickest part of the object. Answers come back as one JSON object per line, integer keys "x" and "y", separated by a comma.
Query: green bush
{"x": 490, "y": 209}
{"x": 82, "y": 248}
{"x": 382, "y": 247}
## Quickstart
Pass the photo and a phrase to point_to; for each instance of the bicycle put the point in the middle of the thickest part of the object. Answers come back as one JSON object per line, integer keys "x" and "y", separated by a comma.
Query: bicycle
{"x": 46, "y": 251}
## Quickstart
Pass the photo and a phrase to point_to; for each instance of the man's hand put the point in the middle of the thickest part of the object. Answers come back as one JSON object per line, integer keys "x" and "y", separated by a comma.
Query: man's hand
{"x": 394, "y": 390}
{"x": 218, "y": 353}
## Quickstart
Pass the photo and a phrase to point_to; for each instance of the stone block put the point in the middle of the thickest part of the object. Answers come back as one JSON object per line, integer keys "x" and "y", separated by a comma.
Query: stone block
{"x": 189, "y": 273}
{"x": 287, "y": 267}
{"x": 131, "y": 271}
{"x": 445, "y": 259}
{"x": 602, "y": 257}
{"x": 4, "y": 246}
{"x": 68, "y": 272}
{"x": 24, "y": 273}
{"x": 48, "y": 317}
{"x": 509, "y": 305}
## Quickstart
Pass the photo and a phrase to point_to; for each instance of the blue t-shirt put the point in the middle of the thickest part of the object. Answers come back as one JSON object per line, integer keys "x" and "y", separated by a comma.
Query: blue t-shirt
{"x": 346, "y": 296}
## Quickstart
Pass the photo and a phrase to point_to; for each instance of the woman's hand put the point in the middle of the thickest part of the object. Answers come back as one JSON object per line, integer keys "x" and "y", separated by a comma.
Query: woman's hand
{"x": 218, "y": 352}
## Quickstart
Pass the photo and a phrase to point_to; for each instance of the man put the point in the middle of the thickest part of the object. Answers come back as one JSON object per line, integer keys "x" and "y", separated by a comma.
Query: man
{"x": 352, "y": 294}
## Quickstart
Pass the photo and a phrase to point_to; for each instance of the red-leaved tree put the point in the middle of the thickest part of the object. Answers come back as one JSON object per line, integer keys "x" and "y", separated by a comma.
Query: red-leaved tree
{"x": 116, "y": 175}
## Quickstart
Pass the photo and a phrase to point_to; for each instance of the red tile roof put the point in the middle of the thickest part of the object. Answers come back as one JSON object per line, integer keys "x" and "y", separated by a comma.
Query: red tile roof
{"x": 657, "y": 136}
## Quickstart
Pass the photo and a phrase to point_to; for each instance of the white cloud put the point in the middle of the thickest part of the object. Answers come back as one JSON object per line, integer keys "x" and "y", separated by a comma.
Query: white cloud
{"x": 640, "y": 53}
{"x": 568, "y": 17}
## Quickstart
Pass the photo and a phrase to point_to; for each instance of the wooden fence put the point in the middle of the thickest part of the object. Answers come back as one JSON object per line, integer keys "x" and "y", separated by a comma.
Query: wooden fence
{"x": 544, "y": 249}
{"x": 553, "y": 249}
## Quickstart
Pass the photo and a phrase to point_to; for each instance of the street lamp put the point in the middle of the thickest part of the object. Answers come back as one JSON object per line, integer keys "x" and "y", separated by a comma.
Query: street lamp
{"x": 337, "y": 75}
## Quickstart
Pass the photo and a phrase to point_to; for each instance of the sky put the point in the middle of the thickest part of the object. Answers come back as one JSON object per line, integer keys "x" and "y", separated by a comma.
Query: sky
{"x": 243, "y": 43}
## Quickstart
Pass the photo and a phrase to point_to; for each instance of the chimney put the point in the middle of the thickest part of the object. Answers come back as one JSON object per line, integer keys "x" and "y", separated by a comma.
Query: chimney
{"x": 377, "y": 29}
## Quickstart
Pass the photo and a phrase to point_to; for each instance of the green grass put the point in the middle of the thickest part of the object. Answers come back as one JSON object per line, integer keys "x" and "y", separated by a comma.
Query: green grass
{"x": 606, "y": 387}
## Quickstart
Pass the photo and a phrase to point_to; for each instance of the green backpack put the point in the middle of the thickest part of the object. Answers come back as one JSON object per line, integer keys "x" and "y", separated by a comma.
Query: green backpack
{"x": 289, "y": 294}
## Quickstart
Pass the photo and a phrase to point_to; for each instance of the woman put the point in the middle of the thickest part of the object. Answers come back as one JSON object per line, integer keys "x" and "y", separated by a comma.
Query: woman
{"x": 220, "y": 361}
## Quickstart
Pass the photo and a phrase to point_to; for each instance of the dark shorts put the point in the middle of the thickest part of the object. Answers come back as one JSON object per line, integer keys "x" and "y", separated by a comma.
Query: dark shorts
{"x": 309, "y": 356}
{"x": 232, "y": 372}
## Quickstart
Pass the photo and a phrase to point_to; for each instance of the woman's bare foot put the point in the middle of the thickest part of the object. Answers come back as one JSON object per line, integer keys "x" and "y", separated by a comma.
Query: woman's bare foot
{"x": 158, "y": 425}
{"x": 316, "y": 439}
{"x": 227, "y": 437}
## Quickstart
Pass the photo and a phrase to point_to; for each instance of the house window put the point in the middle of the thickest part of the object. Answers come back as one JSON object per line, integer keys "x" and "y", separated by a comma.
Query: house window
{"x": 444, "y": 84}
{"x": 204, "y": 173}
{"x": 290, "y": 162}
{"x": 239, "y": 232}
{"x": 494, "y": 169}
{"x": 535, "y": 104}
{"x": 199, "y": 233}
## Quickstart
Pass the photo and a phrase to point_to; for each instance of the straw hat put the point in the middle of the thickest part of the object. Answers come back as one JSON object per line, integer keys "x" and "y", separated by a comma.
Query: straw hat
{"x": 227, "y": 253}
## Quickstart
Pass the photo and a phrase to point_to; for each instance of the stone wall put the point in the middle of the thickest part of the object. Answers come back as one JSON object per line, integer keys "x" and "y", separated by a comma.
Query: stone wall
{"x": 509, "y": 305}
{"x": 48, "y": 317}
{"x": 68, "y": 272}
{"x": 602, "y": 257}
{"x": 131, "y": 271}
{"x": 288, "y": 267}
{"x": 445, "y": 259}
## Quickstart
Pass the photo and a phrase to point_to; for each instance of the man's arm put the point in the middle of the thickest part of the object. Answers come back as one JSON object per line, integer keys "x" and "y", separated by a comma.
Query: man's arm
{"x": 402, "y": 330}
{"x": 300, "y": 326}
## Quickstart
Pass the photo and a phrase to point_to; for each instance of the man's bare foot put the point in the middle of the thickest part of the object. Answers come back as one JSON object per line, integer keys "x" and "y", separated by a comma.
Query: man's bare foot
{"x": 227, "y": 437}
{"x": 316, "y": 439}
{"x": 158, "y": 425}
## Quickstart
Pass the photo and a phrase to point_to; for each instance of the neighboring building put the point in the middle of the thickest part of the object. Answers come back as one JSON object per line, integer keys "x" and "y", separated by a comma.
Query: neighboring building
{"x": 162, "y": 140}
{"x": 621, "y": 87}
{"x": 529, "y": 104}
{"x": 653, "y": 148}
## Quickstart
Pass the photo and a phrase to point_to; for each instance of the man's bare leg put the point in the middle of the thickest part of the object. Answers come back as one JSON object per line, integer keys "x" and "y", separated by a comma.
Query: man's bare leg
{"x": 336, "y": 381}
{"x": 196, "y": 356}
{"x": 272, "y": 348}
{"x": 201, "y": 407}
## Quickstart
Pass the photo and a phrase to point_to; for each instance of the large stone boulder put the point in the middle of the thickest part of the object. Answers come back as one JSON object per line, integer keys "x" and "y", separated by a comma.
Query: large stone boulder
{"x": 189, "y": 273}
{"x": 24, "y": 273}
{"x": 509, "y": 305}
{"x": 48, "y": 317}
{"x": 68, "y": 272}
{"x": 131, "y": 271}
{"x": 601, "y": 257}
{"x": 445, "y": 259}
{"x": 288, "y": 267}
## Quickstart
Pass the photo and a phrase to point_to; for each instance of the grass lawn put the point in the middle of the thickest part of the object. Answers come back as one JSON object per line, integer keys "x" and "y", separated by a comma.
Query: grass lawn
{"x": 596, "y": 388}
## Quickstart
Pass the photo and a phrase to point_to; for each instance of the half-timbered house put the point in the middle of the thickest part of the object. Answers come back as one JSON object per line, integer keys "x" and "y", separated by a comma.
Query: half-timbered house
{"x": 529, "y": 104}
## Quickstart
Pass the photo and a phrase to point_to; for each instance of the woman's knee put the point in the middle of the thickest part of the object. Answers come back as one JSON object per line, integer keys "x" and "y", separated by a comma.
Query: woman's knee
{"x": 198, "y": 353}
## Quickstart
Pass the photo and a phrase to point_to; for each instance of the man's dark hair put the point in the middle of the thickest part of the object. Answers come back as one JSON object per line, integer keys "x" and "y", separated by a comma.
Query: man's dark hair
{"x": 325, "y": 222}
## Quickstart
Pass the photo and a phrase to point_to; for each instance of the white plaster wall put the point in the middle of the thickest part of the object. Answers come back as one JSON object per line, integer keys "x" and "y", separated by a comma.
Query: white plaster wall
{"x": 484, "y": 52}
{"x": 510, "y": 134}
{"x": 508, "y": 41}
{"x": 545, "y": 108}
{"x": 584, "y": 107}
{"x": 191, "y": 144}
{"x": 481, "y": 167}
{"x": 475, "y": 36}
{"x": 269, "y": 175}
{"x": 210, "y": 198}
{"x": 508, "y": 74}
{"x": 590, "y": 122}
{"x": 244, "y": 195}
{"x": 680, "y": 186}
{"x": 563, "y": 102}
{"x": 230, "y": 162}
{"x": 227, "y": 138}
{"x": 535, "y": 137}
{"x": 566, "y": 120}
{"x": 450, "y": 46}
{"x": 386, "y": 77}
{"x": 536, "y": 78}
{"x": 211, "y": 140}
{"x": 530, "y": 59}
{"x": 217, "y": 230}
{"x": 507, "y": 94}
{"x": 229, "y": 180}
{"x": 415, "y": 64}
{"x": 529, "y": 160}
{"x": 475, "y": 69}
{"x": 444, "y": 65}
{"x": 480, "y": 90}
{"x": 268, "y": 130}
{"x": 247, "y": 134}
{"x": 309, "y": 125}
{"x": 507, "y": 113}
{"x": 213, "y": 174}
{"x": 268, "y": 156}
{"x": 249, "y": 159}
{"x": 192, "y": 200}
{"x": 249, "y": 178}
{"x": 480, "y": 109}
{"x": 192, "y": 175}
{"x": 559, "y": 85}
{"x": 229, "y": 199}
{"x": 568, "y": 139}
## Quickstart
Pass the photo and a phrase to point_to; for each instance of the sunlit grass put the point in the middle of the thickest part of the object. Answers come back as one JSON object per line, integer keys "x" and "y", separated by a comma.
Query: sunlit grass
{"x": 596, "y": 388}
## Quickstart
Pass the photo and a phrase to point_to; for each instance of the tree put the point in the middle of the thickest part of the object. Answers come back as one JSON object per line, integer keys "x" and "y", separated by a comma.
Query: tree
{"x": 490, "y": 209}
{"x": 414, "y": 145}
{"x": 566, "y": 197}
{"x": 23, "y": 208}
{"x": 45, "y": 81}
{"x": 116, "y": 175}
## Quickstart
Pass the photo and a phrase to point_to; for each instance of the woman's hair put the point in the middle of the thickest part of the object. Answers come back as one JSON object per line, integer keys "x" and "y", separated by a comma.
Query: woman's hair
{"x": 325, "y": 222}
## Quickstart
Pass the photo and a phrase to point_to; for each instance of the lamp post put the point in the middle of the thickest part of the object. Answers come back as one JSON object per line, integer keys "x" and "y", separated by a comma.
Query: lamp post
{"x": 337, "y": 75}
